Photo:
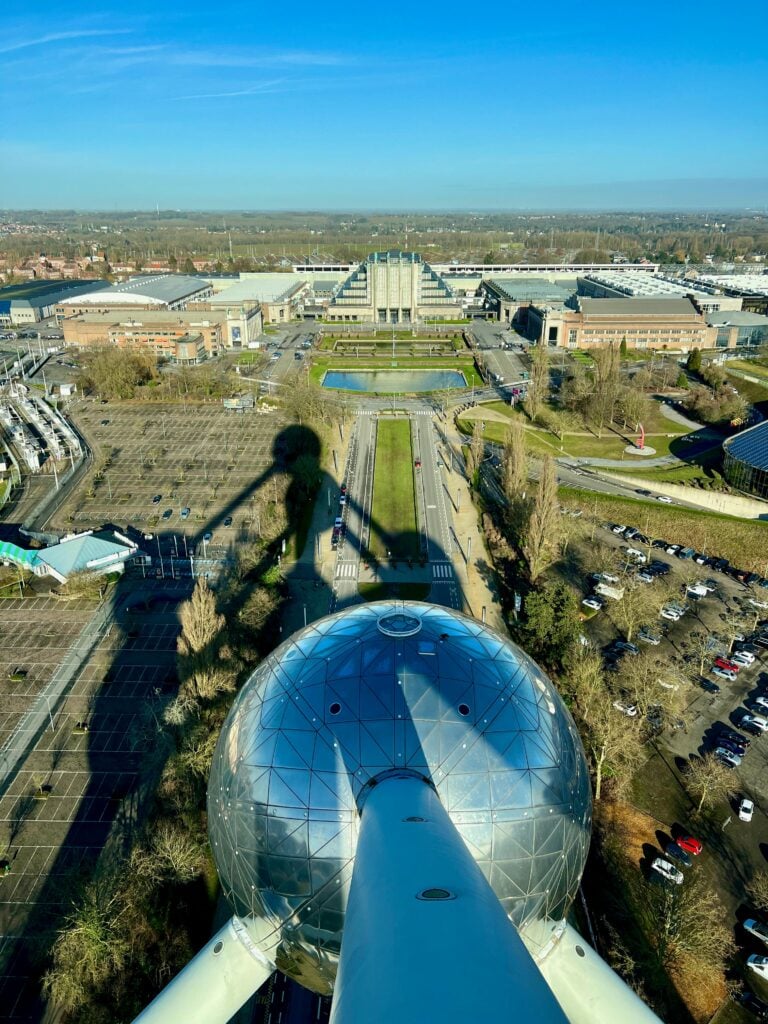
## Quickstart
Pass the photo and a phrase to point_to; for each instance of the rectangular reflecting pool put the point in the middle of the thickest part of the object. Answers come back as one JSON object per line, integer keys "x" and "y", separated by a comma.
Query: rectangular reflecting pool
{"x": 393, "y": 382}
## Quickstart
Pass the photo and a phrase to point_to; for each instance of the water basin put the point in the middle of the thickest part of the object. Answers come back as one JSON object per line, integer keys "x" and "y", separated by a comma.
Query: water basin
{"x": 391, "y": 382}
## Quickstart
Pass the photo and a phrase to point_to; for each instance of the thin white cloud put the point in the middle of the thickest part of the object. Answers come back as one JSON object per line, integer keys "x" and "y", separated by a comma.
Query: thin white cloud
{"x": 251, "y": 90}
{"x": 275, "y": 59}
{"x": 58, "y": 37}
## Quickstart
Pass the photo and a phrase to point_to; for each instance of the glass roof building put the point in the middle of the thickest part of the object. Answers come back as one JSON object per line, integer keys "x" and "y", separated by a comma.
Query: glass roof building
{"x": 383, "y": 687}
{"x": 745, "y": 460}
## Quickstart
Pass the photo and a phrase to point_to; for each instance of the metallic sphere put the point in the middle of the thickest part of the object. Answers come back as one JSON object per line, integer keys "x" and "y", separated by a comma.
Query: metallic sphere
{"x": 385, "y": 686}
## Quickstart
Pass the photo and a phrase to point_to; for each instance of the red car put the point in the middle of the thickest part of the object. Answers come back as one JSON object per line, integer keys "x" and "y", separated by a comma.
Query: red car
{"x": 417, "y": 463}
{"x": 690, "y": 845}
{"x": 729, "y": 666}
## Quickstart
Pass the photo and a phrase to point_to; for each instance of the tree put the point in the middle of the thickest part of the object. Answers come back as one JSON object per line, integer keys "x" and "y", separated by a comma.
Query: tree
{"x": 538, "y": 387}
{"x": 515, "y": 461}
{"x": 623, "y": 348}
{"x": 114, "y": 372}
{"x": 584, "y": 683}
{"x": 552, "y": 624}
{"x": 698, "y": 648}
{"x": 693, "y": 362}
{"x": 89, "y": 949}
{"x": 735, "y": 623}
{"x": 541, "y": 533}
{"x": 607, "y": 368}
{"x": 614, "y": 743}
{"x": 682, "y": 381}
{"x": 631, "y": 610}
{"x": 707, "y": 779}
{"x": 689, "y": 926}
{"x": 758, "y": 890}
{"x": 188, "y": 266}
{"x": 202, "y": 670}
{"x": 172, "y": 854}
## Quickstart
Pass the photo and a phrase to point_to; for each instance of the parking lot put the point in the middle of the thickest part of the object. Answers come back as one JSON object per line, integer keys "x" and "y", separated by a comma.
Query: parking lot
{"x": 197, "y": 457}
{"x": 80, "y": 780}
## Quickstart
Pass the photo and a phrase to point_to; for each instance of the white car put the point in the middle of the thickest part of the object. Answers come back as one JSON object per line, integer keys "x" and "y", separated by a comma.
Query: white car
{"x": 638, "y": 555}
{"x": 672, "y": 549}
{"x": 630, "y": 710}
{"x": 757, "y": 928}
{"x": 618, "y": 529}
{"x": 746, "y": 809}
{"x": 723, "y": 673}
{"x": 593, "y": 602}
{"x": 670, "y": 872}
{"x": 745, "y": 658}
{"x": 646, "y": 577}
{"x": 758, "y": 964}
{"x": 665, "y": 499}
{"x": 756, "y": 603}
{"x": 670, "y": 613}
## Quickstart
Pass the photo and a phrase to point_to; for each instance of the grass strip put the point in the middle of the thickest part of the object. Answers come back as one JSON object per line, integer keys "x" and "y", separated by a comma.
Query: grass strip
{"x": 393, "y": 520}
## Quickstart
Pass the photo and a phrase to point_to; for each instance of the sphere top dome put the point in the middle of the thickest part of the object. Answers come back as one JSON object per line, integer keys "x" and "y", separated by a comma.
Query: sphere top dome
{"x": 377, "y": 687}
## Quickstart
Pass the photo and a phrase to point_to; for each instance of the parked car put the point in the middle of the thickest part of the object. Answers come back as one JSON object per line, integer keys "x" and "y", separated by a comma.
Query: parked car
{"x": 208, "y": 537}
{"x": 228, "y": 521}
{"x": 670, "y": 613}
{"x": 758, "y": 964}
{"x": 167, "y": 514}
{"x": 625, "y": 645}
{"x": 185, "y": 512}
{"x": 743, "y": 658}
{"x": 617, "y": 528}
{"x": 756, "y": 1006}
{"x": 727, "y": 757}
{"x": 646, "y": 576}
{"x": 669, "y": 872}
{"x": 709, "y": 686}
{"x": 648, "y": 636}
{"x": 630, "y": 710}
{"x": 723, "y": 673}
{"x": 690, "y": 844}
{"x": 157, "y": 499}
{"x": 593, "y": 602}
{"x": 676, "y": 852}
{"x": 746, "y": 809}
{"x": 757, "y": 928}
{"x": 727, "y": 664}
{"x": 756, "y": 724}
{"x": 665, "y": 499}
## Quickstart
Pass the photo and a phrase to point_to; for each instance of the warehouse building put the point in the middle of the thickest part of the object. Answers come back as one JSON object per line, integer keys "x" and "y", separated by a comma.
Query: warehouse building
{"x": 394, "y": 287}
{"x": 147, "y": 291}
{"x": 738, "y": 329}
{"x": 752, "y": 289}
{"x": 636, "y": 284}
{"x": 181, "y": 336}
{"x": 32, "y": 301}
{"x": 508, "y": 298}
{"x": 280, "y": 297}
{"x": 96, "y": 554}
{"x": 642, "y": 323}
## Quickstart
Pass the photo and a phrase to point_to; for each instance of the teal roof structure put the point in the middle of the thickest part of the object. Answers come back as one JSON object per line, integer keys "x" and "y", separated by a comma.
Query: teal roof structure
{"x": 19, "y": 556}
{"x": 79, "y": 554}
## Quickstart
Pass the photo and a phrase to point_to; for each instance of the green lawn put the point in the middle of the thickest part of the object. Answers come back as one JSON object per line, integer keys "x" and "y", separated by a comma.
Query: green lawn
{"x": 743, "y": 542}
{"x": 751, "y": 366}
{"x": 393, "y": 520}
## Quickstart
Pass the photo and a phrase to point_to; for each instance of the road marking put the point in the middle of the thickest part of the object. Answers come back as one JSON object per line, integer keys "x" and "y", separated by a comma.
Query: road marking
{"x": 442, "y": 571}
{"x": 346, "y": 570}
{"x": 431, "y": 507}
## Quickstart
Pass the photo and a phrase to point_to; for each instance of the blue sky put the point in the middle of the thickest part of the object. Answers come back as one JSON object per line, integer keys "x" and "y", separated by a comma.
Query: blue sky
{"x": 383, "y": 106}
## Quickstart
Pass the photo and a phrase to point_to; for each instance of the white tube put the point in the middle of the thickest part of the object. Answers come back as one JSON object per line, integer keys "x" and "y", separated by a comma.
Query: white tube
{"x": 407, "y": 958}
{"x": 586, "y": 987}
{"x": 217, "y": 982}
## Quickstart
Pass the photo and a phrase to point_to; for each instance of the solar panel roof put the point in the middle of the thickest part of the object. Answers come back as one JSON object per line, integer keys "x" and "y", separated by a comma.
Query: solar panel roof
{"x": 751, "y": 446}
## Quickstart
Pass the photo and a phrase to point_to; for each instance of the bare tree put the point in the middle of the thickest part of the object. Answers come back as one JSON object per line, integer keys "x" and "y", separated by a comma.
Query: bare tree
{"x": 202, "y": 671}
{"x": 689, "y": 926}
{"x": 172, "y": 854}
{"x": 477, "y": 445}
{"x": 758, "y": 890}
{"x": 542, "y": 531}
{"x": 707, "y": 779}
{"x": 515, "y": 465}
{"x": 538, "y": 387}
{"x": 614, "y": 743}
{"x": 607, "y": 362}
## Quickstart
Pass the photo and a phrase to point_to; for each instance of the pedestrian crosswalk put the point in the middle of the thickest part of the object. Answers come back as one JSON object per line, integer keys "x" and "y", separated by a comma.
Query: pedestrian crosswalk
{"x": 346, "y": 570}
{"x": 383, "y": 412}
{"x": 442, "y": 571}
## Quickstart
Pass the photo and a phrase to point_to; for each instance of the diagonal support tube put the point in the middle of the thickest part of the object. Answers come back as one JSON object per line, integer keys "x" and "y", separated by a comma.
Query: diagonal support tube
{"x": 425, "y": 937}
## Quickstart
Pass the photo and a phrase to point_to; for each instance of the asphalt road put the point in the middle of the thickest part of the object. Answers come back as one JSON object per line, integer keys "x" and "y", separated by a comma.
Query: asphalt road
{"x": 433, "y": 502}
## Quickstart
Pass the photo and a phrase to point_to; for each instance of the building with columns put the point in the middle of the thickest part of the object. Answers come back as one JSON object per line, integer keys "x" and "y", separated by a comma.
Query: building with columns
{"x": 394, "y": 287}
